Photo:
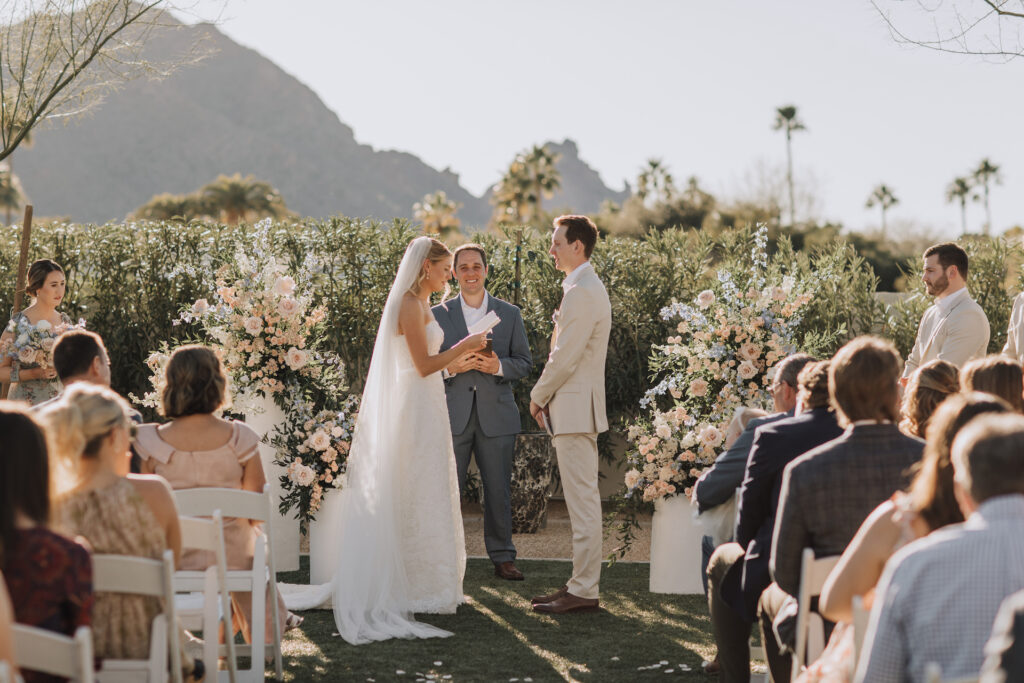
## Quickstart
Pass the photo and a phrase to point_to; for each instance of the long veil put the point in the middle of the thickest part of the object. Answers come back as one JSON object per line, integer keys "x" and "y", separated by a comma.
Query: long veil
{"x": 370, "y": 588}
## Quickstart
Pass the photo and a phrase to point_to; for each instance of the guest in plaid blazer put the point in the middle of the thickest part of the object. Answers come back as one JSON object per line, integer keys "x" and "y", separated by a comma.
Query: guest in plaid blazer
{"x": 828, "y": 491}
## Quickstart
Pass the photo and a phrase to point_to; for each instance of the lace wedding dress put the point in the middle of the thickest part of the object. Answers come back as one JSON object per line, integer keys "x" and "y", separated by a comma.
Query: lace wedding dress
{"x": 400, "y": 543}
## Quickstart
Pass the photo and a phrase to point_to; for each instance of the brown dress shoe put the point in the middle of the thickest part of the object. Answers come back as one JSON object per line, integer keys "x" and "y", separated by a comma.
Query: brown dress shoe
{"x": 508, "y": 571}
{"x": 568, "y": 603}
{"x": 551, "y": 597}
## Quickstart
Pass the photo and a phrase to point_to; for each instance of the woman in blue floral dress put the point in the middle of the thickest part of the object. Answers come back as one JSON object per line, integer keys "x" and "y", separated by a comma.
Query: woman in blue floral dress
{"x": 27, "y": 341}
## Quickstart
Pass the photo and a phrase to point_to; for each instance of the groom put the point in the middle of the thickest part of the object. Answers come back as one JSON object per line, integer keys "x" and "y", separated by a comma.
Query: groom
{"x": 569, "y": 396}
{"x": 481, "y": 406}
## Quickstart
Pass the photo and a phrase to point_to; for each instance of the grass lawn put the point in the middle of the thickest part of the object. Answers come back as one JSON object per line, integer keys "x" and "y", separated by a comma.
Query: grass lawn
{"x": 498, "y": 638}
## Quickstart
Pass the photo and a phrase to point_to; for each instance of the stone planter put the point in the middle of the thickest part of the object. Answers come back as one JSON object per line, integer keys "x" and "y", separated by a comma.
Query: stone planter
{"x": 533, "y": 472}
{"x": 675, "y": 547}
{"x": 285, "y": 528}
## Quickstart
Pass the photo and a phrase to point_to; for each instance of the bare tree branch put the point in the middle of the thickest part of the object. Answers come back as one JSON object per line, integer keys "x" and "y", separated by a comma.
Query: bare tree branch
{"x": 986, "y": 28}
{"x": 59, "y": 58}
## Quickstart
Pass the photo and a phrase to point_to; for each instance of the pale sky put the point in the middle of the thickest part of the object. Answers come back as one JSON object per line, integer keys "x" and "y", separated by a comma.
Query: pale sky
{"x": 466, "y": 84}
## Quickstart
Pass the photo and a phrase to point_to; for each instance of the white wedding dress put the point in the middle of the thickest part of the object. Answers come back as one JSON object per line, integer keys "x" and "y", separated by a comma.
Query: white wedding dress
{"x": 400, "y": 545}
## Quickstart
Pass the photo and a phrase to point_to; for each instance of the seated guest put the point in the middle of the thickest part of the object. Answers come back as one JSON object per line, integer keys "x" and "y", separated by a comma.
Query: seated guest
{"x": 6, "y": 637}
{"x": 49, "y": 576}
{"x": 738, "y": 572}
{"x": 928, "y": 387}
{"x": 938, "y": 597}
{"x": 997, "y": 375}
{"x": 718, "y": 484}
{"x": 198, "y": 449}
{"x": 927, "y": 505}
{"x": 1004, "y": 653}
{"x": 117, "y": 513}
{"x": 828, "y": 491}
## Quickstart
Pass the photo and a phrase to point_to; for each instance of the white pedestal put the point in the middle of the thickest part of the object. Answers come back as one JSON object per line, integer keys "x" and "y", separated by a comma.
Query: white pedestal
{"x": 285, "y": 529}
{"x": 675, "y": 547}
{"x": 323, "y": 539}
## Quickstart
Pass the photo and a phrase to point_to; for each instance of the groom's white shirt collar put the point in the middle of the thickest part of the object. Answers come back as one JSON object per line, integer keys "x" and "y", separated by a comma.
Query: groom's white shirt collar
{"x": 574, "y": 277}
{"x": 947, "y": 302}
{"x": 474, "y": 315}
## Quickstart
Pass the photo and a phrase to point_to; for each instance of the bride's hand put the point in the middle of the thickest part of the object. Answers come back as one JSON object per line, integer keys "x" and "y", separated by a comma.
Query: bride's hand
{"x": 473, "y": 342}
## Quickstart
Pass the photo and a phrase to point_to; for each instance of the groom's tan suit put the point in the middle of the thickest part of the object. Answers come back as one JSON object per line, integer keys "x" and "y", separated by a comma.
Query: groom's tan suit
{"x": 572, "y": 388}
{"x": 953, "y": 329}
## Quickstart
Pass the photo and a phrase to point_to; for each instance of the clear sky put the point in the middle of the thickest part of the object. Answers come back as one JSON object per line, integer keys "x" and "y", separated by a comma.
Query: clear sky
{"x": 466, "y": 83}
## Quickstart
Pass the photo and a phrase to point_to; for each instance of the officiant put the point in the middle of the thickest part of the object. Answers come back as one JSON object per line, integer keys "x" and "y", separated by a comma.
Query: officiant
{"x": 481, "y": 405}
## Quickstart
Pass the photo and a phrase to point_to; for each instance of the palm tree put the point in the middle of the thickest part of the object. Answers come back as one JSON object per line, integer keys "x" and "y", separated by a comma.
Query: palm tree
{"x": 512, "y": 195}
{"x": 12, "y": 197}
{"x": 235, "y": 198}
{"x": 884, "y": 198}
{"x": 786, "y": 119}
{"x": 437, "y": 213}
{"x": 985, "y": 173}
{"x": 959, "y": 191}
{"x": 541, "y": 170}
{"x": 655, "y": 182}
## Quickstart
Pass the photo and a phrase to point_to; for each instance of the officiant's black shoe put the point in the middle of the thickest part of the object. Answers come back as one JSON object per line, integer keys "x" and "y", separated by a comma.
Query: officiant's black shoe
{"x": 568, "y": 603}
{"x": 508, "y": 571}
{"x": 551, "y": 597}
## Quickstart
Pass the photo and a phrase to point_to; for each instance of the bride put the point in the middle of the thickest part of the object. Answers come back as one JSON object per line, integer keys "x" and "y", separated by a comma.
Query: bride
{"x": 400, "y": 539}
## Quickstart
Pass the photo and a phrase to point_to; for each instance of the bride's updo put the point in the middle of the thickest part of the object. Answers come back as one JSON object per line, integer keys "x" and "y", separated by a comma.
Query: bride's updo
{"x": 437, "y": 252}
{"x": 77, "y": 424}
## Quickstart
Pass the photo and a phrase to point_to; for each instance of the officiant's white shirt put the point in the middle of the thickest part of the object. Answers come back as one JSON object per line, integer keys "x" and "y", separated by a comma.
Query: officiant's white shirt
{"x": 954, "y": 328}
{"x": 574, "y": 277}
{"x": 475, "y": 315}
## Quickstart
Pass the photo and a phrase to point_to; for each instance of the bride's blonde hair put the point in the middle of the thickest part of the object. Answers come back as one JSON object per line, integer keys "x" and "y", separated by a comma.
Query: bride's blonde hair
{"x": 437, "y": 253}
{"x": 76, "y": 425}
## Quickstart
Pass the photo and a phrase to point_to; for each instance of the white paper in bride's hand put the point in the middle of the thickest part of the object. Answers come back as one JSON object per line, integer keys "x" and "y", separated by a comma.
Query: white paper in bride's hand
{"x": 486, "y": 324}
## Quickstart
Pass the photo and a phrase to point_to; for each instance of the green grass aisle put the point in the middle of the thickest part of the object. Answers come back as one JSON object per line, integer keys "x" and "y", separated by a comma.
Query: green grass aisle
{"x": 498, "y": 638}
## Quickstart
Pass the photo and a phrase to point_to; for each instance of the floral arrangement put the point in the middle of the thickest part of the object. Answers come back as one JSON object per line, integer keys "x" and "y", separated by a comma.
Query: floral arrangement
{"x": 313, "y": 445}
{"x": 32, "y": 344}
{"x": 263, "y": 326}
{"x": 729, "y": 339}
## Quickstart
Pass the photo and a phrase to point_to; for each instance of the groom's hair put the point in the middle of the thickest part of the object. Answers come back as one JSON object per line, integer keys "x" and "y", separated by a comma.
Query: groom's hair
{"x": 469, "y": 246}
{"x": 579, "y": 228}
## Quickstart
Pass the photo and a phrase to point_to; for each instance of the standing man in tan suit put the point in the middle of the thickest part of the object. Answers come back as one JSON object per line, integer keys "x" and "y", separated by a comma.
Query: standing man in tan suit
{"x": 1014, "y": 347}
{"x": 955, "y": 327}
{"x": 569, "y": 397}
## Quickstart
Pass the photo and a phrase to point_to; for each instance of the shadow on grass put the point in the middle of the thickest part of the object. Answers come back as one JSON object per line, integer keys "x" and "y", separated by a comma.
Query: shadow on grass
{"x": 498, "y": 637}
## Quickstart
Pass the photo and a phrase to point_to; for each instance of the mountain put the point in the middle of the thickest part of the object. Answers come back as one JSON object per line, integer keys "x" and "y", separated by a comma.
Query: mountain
{"x": 236, "y": 111}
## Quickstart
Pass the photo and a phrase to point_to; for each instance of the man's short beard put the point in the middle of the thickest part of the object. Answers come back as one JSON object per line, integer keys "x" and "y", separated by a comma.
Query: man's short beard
{"x": 939, "y": 286}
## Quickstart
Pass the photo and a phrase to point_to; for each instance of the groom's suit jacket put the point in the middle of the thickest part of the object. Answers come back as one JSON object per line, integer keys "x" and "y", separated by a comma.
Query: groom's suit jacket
{"x": 956, "y": 333}
{"x": 496, "y": 403}
{"x": 572, "y": 384}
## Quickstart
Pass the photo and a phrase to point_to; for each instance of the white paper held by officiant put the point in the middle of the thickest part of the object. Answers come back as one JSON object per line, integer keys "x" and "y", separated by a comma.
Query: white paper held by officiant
{"x": 486, "y": 324}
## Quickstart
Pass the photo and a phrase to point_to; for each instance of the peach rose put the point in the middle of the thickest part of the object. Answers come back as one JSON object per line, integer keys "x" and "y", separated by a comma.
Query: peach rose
{"x": 698, "y": 388}
{"x": 287, "y": 307}
{"x": 284, "y": 286}
{"x": 253, "y": 325}
{"x": 705, "y": 298}
{"x": 296, "y": 358}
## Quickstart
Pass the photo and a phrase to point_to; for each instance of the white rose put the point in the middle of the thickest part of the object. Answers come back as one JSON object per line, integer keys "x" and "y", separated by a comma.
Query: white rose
{"x": 304, "y": 476}
{"x": 705, "y": 298}
{"x": 632, "y": 477}
{"x": 296, "y": 358}
{"x": 746, "y": 370}
{"x": 200, "y": 306}
{"x": 698, "y": 388}
{"x": 253, "y": 325}
{"x": 284, "y": 286}
{"x": 319, "y": 441}
{"x": 337, "y": 432}
{"x": 287, "y": 307}
{"x": 666, "y": 473}
{"x": 711, "y": 436}
{"x": 663, "y": 431}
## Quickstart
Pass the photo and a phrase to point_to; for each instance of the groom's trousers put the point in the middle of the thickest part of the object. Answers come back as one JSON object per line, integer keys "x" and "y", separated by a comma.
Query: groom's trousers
{"x": 494, "y": 456}
{"x": 577, "y": 466}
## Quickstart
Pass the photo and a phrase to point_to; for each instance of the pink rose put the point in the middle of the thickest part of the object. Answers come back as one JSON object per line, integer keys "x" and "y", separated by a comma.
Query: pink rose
{"x": 287, "y": 307}
{"x": 253, "y": 325}
{"x": 26, "y": 355}
{"x": 705, "y": 298}
{"x": 284, "y": 286}
{"x": 746, "y": 370}
{"x": 698, "y": 388}
{"x": 296, "y": 358}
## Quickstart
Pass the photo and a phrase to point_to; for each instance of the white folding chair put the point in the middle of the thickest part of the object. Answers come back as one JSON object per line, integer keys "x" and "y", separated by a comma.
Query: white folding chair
{"x": 203, "y": 502}
{"x": 810, "y": 627}
{"x": 861, "y": 616}
{"x": 153, "y": 578}
{"x": 5, "y": 672}
{"x": 210, "y": 586}
{"x": 37, "y": 649}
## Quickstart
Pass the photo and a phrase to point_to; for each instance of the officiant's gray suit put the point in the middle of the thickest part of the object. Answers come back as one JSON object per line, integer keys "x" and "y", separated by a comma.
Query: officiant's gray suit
{"x": 484, "y": 417}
